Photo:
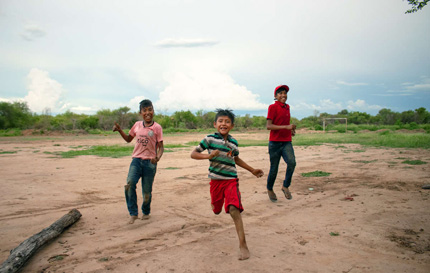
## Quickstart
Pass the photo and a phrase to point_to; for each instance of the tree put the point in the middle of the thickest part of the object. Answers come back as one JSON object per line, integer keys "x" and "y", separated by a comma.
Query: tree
{"x": 14, "y": 115}
{"x": 416, "y": 5}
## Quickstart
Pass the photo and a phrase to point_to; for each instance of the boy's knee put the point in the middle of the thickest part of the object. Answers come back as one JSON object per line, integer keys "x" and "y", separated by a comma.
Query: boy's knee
{"x": 233, "y": 209}
{"x": 146, "y": 198}
{"x": 291, "y": 163}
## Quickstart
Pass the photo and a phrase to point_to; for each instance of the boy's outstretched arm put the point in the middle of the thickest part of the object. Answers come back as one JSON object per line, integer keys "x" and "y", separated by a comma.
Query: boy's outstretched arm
{"x": 241, "y": 163}
{"x": 197, "y": 155}
{"x": 117, "y": 128}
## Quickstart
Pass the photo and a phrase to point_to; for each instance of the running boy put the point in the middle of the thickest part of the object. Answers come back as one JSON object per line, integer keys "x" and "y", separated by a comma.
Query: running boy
{"x": 147, "y": 152}
{"x": 223, "y": 155}
{"x": 281, "y": 132}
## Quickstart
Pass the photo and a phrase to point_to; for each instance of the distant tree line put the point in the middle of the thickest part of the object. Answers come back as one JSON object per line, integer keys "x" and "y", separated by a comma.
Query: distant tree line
{"x": 17, "y": 115}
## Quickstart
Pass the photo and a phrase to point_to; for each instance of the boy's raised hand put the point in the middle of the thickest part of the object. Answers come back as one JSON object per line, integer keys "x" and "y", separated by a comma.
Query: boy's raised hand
{"x": 116, "y": 127}
{"x": 258, "y": 173}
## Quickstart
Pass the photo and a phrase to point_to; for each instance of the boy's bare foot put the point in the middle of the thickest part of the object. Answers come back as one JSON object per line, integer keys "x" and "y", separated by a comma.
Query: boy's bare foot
{"x": 244, "y": 253}
{"x": 145, "y": 217}
{"x": 132, "y": 219}
{"x": 272, "y": 196}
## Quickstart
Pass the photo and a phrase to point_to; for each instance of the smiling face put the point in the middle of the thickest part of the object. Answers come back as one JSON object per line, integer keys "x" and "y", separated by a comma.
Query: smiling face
{"x": 147, "y": 114}
{"x": 223, "y": 125}
{"x": 281, "y": 96}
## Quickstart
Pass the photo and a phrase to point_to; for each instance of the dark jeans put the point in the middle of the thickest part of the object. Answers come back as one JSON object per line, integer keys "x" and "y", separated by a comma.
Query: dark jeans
{"x": 140, "y": 168}
{"x": 276, "y": 151}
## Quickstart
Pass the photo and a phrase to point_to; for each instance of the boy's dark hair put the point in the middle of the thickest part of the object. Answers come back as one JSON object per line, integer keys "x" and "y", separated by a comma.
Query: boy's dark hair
{"x": 225, "y": 112}
{"x": 144, "y": 103}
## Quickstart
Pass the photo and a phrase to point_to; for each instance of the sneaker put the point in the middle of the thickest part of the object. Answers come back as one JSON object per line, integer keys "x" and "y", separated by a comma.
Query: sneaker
{"x": 287, "y": 193}
{"x": 272, "y": 196}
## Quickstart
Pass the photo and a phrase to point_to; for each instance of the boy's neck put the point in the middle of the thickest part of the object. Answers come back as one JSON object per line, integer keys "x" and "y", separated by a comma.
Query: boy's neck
{"x": 223, "y": 136}
{"x": 148, "y": 124}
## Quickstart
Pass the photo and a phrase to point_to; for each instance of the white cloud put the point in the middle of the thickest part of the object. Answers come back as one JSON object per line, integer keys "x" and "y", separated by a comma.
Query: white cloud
{"x": 32, "y": 32}
{"x": 205, "y": 90}
{"x": 328, "y": 105}
{"x": 44, "y": 92}
{"x": 83, "y": 110}
{"x": 361, "y": 105}
{"x": 351, "y": 83}
{"x": 185, "y": 43}
{"x": 133, "y": 104}
{"x": 324, "y": 105}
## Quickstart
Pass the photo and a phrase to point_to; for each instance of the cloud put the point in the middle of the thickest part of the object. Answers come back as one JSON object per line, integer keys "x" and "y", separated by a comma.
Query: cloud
{"x": 362, "y": 105}
{"x": 327, "y": 105}
{"x": 205, "y": 90}
{"x": 133, "y": 104}
{"x": 351, "y": 83}
{"x": 83, "y": 110}
{"x": 423, "y": 85}
{"x": 44, "y": 92}
{"x": 32, "y": 32}
{"x": 166, "y": 43}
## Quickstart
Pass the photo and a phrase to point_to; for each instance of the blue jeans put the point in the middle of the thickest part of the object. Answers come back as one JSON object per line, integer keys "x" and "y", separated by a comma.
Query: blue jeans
{"x": 140, "y": 168}
{"x": 276, "y": 151}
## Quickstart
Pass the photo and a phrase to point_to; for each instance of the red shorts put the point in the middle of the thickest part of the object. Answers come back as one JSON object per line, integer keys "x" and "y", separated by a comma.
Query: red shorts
{"x": 228, "y": 190}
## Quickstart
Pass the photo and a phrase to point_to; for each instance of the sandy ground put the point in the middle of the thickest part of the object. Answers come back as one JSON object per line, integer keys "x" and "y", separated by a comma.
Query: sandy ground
{"x": 384, "y": 228}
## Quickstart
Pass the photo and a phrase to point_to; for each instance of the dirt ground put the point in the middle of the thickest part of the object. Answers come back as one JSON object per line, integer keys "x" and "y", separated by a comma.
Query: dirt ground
{"x": 370, "y": 215}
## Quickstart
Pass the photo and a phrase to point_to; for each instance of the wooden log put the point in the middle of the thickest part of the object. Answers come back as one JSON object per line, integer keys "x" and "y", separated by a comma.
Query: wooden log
{"x": 21, "y": 254}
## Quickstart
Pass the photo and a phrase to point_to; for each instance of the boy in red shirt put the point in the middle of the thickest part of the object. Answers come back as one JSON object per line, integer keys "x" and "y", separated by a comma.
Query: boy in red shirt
{"x": 281, "y": 132}
{"x": 147, "y": 152}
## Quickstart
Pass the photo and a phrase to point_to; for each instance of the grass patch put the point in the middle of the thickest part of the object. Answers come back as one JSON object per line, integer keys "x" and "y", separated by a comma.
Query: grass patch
{"x": 414, "y": 162}
{"x": 392, "y": 140}
{"x": 114, "y": 151}
{"x": 7, "y": 152}
{"x": 315, "y": 174}
{"x": 10, "y": 132}
{"x": 364, "y": 161}
{"x": 171, "y": 168}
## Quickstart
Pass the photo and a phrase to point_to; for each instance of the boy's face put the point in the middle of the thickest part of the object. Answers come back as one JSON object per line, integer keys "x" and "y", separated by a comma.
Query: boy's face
{"x": 147, "y": 114}
{"x": 223, "y": 125}
{"x": 281, "y": 96}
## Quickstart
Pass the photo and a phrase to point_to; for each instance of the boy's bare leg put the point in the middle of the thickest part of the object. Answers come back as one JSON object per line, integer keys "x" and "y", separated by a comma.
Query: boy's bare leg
{"x": 237, "y": 218}
{"x": 132, "y": 219}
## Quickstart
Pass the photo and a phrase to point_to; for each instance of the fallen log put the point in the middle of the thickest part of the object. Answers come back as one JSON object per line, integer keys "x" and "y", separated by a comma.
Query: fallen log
{"x": 22, "y": 253}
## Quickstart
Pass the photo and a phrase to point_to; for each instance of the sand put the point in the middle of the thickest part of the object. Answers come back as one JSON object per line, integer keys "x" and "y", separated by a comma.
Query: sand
{"x": 369, "y": 215}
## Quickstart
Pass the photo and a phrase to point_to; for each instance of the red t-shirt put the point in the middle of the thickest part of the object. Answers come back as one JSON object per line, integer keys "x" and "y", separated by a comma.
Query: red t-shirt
{"x": 279, "y": 113}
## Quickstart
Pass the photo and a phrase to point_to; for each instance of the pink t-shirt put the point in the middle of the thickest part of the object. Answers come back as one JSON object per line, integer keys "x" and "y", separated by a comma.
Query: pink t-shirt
{"x": 146, "y": 139}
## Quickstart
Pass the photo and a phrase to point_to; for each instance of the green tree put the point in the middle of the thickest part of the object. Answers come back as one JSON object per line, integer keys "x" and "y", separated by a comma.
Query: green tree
{"x": 416, "y": 5}
{"x": 184, "y": 119}
{"x": 387, "y": 117}
{"x": 106, "y": 119}
{"x": 15, "y": 115}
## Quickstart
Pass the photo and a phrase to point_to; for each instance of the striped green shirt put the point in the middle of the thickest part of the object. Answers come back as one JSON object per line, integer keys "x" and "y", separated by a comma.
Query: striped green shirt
{"x": 223, "y": 166}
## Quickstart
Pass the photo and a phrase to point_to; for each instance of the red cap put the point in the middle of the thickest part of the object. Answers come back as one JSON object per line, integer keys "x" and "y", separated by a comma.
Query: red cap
{"x": 283, "y": 87}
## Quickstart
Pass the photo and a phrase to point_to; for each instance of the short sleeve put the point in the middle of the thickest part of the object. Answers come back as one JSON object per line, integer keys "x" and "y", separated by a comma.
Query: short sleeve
{"x": 133, "y": 129}
{"x": 271, "y": 112}
{"x": 159, "y": 133}
{"x": 203, "y": 145}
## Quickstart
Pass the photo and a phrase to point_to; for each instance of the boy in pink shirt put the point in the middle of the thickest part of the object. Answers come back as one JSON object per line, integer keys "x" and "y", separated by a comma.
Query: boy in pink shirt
{"x": 147, "y": 152}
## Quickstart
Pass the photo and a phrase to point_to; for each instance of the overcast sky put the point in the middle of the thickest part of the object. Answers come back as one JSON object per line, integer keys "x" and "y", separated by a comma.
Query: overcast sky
{"x": 83, "y": 56}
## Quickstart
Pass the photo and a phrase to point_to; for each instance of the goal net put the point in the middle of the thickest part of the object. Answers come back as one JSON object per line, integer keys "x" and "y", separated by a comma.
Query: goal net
{"x": 327, "y": 121}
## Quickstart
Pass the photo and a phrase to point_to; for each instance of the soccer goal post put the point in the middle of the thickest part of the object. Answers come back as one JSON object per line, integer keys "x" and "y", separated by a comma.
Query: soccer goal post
{"x": 346, "y": 123}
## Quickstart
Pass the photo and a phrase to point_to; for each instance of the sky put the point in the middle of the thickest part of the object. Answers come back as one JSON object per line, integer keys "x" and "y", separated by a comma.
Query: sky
{"x": 85, "y": 56}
